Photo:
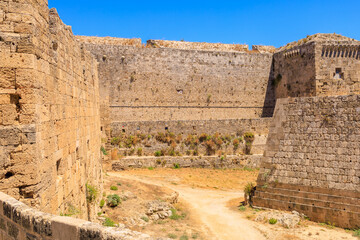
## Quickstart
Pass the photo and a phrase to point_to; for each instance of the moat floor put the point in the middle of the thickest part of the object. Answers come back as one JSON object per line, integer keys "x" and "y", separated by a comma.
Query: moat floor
{"x": 209, "y": 201}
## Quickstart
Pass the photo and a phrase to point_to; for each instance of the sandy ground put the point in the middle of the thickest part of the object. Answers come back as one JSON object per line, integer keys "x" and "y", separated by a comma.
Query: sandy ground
{"x": 212, "y": 197}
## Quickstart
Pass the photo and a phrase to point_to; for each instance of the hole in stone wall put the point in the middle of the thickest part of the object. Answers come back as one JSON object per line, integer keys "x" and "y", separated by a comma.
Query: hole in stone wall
{"x": 166, "y": 128}
{"x": 9, "y": 174}
{"x": 55, "y": 45}
{"x": 60, "y": 168}
{"x": 338, "y": 74}
{"x": 123, "y": 130}
{"x": 104, "y": 58}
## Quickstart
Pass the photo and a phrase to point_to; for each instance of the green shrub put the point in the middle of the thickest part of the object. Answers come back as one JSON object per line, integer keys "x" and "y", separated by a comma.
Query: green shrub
{"x": 115, "y": 141}
{"x": 146, "y": 219}
{"x": 236, "y": 143}
{"x": 194, "y": 235}
{"x": 242, "y": 208}
{"x": 184, "y": 237}
{"x": 272, "y": 221}
{"x": 172, "y": 236}
{"x": 248, "y": 188}
{"x": 158, "y": 161}
{"x": 172, "y": 152}
{"x": 176, "y": 165}
{"x": 103, "y": 150}
{"x": 91, "y": 193}
{"x": 109, "y": 223}
{"x": 158, "y": 154}
{"x": 102, "y": 203}
{"x": 357, "y": 233}
{"x": 150, "y": 168}
{"x": 175, "y": 215}
{"x": 139, "y": 151}
{"x": 249, "y": 137}
{"x": 119, "y": 184}
{"x": 113, "y": 200}
{"x": 114, "y": 188}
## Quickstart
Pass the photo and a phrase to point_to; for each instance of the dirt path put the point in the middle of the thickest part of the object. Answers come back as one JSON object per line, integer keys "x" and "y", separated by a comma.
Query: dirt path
{"x": 210, "y": 207}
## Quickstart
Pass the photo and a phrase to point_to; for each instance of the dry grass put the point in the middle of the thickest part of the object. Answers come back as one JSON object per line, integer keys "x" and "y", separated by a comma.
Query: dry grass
{"x": 234, "y": 179}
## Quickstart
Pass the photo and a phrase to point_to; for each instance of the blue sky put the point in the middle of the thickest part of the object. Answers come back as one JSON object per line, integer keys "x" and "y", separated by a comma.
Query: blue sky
{"x": 273, "y": 22}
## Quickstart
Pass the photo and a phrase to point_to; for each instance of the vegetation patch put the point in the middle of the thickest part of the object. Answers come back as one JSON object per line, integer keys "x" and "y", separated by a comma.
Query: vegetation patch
{"x": 113, "y": 200}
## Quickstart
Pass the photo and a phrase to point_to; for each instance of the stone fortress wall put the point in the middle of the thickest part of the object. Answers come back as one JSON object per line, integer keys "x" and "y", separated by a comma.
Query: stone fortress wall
{"x": 49, "y": 110}
{"x": 18, "y": 221}
{"x": 181, "y": 81}
{"x": 319, "y": 65}
{"x": 312, "y": 160}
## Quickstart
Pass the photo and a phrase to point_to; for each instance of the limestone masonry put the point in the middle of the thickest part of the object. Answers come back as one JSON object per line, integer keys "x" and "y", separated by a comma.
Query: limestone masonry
{"x": 66, "y": 101}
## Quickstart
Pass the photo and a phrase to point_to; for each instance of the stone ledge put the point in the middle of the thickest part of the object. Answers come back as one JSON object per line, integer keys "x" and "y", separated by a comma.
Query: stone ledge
{"x": 22, "y": 222}
{"x": 230, "y": 161}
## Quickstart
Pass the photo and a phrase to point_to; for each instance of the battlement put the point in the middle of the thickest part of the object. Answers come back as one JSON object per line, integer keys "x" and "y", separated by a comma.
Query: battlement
{"x": 135, "y": 42}
{"x": 198, "y": 46}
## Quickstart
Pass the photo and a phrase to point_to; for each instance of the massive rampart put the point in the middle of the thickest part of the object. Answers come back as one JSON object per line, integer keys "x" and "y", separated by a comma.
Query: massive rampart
{"x": 312, "y": 162}
{"x": 163, "y": 84}
{"x": 49, "y": 110}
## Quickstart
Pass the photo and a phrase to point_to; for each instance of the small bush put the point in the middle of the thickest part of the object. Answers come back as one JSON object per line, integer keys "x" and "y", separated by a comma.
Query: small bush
{"x": 236, "y": 143}
{"x": 103, "y": 150}
{"x": 119, "y": 184}
{"x": 175, "y": 215}
{"x": 357, "y": 233}
{"x": 248, "y": 187}
{"x": 91, "y": 193}
{"x": 109, "y": 223}
{"x": 203, "y": 137}
{"x": 150, "y": 168}
{"x": 176, "y": 165}
{"x": 210, "y": 147}
{"x": 113, "y": 200}
{"x": 115, "y": 141}
{"x": 184, "y": 237}
{"x": 249, "y": 137}
{"x": 172, "y": 236}
{"x": 146, "y": 219}
{"x": 139, "y": 151}
{"x": 272, "y": 221}
{"x": 102, "y": 203}
{"x": 114, "y": 188}
{"x": 158, "y": 154}
{"x": 158, "y": 161}
{"x": 242, "y": 208}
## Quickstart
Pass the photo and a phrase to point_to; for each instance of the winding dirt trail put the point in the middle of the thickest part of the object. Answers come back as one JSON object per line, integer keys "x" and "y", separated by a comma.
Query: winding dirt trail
{"x": 210, "y": 207}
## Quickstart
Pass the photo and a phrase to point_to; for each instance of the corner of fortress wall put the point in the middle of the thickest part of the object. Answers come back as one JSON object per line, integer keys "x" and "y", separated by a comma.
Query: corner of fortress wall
{"x": 312, "y": 161}
{"x": 49, "y": 110}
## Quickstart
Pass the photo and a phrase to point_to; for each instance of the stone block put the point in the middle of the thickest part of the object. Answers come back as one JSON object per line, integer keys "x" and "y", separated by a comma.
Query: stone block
{"x": 66, "y": 228}
{"x": 7, "y": 78}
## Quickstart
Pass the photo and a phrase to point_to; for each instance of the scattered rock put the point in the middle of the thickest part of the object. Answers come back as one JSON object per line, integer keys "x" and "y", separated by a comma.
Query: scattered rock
{"x": 287, "y": 220}
{"x": 173, "y": 198}
{"x": 158, "y": 210}
{"x": 127, "y": 195}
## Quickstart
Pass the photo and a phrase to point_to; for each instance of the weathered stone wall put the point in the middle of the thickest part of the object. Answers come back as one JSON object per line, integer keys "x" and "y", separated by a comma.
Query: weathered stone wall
{"x": 230, "y": 129}
{"x": 232, "y": 162}
{"x": 198, "y": 46}
{"x": 225, "y": 126}
{"x": 312, "y": 160}
{"x": 317, "y": 66}
{"x": 337, "y": 68}
{"x": 18, "y": 221}
{"x": 294, "y": 72}
{"x": 49, "y": 109}
{"x": 162, "y": 84}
